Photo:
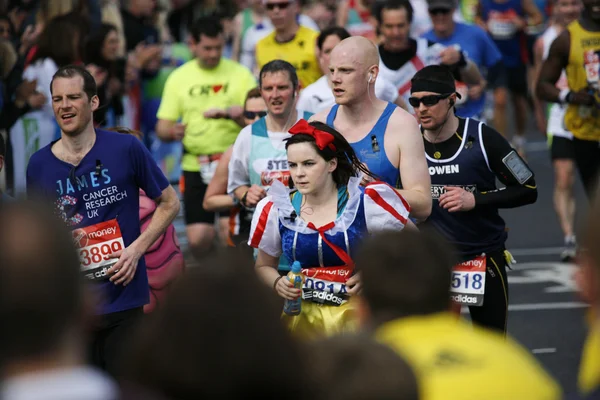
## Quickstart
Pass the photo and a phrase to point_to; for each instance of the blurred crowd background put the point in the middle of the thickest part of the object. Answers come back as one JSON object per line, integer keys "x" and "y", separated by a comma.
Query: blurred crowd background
{"x": 131, "y": 46}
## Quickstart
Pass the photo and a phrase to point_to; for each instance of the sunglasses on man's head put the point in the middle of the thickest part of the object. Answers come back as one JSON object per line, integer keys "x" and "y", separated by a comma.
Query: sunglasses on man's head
{"x": 254, "y": 114}
{"x": 428, "y": 101}
{"x": 439, "y": 11}
{"x": 281, "y": 6}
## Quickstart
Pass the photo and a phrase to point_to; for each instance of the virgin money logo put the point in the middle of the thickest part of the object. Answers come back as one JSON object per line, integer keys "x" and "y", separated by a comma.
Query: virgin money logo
{"x": 80, "y": 238}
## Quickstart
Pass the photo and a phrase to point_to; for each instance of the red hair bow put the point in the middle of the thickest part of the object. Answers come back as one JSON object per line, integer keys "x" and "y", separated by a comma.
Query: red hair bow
{"x": 323, "y": 139}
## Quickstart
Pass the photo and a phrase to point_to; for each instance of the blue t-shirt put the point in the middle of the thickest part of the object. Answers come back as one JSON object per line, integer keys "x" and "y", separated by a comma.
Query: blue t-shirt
{"x": 103, "y": 187}
{"x": 479, "y": 48}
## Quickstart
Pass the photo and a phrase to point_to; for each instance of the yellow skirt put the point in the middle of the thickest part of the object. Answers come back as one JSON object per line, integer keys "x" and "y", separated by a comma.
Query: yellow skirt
{"x": 317, "y": 321}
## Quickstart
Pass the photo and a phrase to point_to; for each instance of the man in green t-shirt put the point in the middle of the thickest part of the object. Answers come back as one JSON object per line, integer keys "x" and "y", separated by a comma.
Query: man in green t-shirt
{"x": 202, "y": 105}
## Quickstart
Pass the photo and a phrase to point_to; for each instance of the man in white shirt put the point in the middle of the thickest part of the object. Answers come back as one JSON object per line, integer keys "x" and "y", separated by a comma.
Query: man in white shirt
{"x": 45, "y": 311}
{"x": 259, "y": 156}
{"x": 319, "y": 96}
{"x": 258, "y": 31}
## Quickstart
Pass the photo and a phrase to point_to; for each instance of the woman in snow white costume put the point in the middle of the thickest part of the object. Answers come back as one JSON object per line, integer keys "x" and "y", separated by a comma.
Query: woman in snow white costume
{"x": 320, "y": 224}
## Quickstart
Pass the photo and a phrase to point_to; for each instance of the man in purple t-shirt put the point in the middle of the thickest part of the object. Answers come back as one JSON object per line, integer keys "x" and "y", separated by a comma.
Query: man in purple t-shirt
{"x": 93, "y": 177}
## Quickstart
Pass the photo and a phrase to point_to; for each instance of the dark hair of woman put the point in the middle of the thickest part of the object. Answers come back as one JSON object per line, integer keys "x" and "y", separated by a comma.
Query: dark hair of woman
{"x": 94, "y": 45}
{"x": 348, "y": 164}
{"x": 60, "y": 41}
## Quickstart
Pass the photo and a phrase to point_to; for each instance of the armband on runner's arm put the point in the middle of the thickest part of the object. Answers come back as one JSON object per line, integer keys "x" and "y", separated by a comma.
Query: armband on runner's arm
{"x": 511, "y": 170}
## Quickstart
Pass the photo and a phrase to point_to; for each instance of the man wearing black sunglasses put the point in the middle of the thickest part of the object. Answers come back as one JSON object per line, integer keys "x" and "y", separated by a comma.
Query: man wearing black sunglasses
{"x": 465, "y": 157}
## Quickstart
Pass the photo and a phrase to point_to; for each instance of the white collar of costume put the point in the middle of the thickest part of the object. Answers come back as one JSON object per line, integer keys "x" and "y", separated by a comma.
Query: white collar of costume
{"x": 280, "y": 196}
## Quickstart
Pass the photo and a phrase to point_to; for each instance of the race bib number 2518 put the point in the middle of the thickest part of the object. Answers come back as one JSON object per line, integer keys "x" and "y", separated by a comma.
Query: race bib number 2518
{"x": 96, "y": 243}
{"x": 468, "y": 282}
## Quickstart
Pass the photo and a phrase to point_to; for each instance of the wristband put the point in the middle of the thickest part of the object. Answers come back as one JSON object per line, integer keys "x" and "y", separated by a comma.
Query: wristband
{"x": 563, "y": 96}
{"x": 243, "y": 199}
{"x": 275, "y": 283}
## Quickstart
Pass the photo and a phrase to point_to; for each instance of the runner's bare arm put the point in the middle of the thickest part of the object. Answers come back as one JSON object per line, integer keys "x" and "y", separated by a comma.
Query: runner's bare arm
{"x": 414, "y": 173}
{"x": 470, "y": 74}
{"x": 237, "y": 37}
{"x": 216, "y": 198}
{"x": 266, "y": 268}
{"x": 169, "y": 131}
{"x": 552, "y": 67}
{"x": 341, "y": 17}
{"x": 538, "y": 104}
{"x": 401, "y": 103}
{"x": 538, "y": 55}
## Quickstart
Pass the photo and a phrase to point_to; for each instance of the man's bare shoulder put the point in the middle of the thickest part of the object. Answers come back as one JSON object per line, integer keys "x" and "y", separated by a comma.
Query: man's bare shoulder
{"x": 401, "y": 118}
{"x": 320, "y": 116}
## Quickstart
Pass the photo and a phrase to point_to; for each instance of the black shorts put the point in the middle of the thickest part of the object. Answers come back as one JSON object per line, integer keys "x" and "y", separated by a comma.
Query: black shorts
{"x": 587, "y": 159}
{"x": 493, "y": 314}
{"x": 194, "y": 189}
{"x": 562, "y": 148}
{"x": 512, "y": 78}
{"x": 110, "y": 333}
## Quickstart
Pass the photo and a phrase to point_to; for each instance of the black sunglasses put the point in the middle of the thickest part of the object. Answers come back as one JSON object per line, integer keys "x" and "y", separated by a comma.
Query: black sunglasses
{"x": 438, "y": 11}
{"x": 281, "y": 6}
{"x": 428, "y": 101}
{"x": 254, "y": 114}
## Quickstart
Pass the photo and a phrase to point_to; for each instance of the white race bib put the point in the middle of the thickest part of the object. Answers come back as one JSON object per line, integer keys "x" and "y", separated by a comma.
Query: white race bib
{"x": 326, "y": 286}
{"x": 208, "y": 166}
{"x": 468, "y": 282}
{"x": 95, "y": 244}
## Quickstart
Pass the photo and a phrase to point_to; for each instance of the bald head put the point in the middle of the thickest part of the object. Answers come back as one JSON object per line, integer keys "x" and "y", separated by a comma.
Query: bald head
{"x": 359, "y": 50}
{"x": 40, "y": 284}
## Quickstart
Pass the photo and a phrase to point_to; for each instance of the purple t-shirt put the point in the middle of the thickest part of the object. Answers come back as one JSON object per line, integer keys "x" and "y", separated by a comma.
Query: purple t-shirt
{"x": 101, "y": 197}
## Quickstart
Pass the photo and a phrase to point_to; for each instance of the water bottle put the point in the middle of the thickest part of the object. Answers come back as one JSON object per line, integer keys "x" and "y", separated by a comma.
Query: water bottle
{"x": 294, "y": 307}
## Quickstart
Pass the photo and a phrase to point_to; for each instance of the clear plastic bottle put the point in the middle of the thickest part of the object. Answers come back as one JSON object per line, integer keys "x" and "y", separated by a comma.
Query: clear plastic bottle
{"x": 294, "y": 307}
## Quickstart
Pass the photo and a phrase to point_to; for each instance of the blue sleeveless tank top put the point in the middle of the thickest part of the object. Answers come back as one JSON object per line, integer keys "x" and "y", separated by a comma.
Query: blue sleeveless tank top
{"x": 370, "y": 149}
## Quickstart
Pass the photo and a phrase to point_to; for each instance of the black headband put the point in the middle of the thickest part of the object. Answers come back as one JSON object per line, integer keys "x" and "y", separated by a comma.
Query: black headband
{"x": 425, "y": 85}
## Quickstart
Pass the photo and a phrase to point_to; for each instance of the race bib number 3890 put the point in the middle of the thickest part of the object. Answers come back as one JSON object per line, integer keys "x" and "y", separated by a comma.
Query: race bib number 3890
{"x": 96, "y": 243}
{"x": 468, "y": 282}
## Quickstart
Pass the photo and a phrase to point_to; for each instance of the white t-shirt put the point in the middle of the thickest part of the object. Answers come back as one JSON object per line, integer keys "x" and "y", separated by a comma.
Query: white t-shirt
{"x": 319, "y": 96}
{"x": 42, "y": 70}
{"x": 239, "y": 165}
{"x": 65, "y": 384}
{"x": 259, "y": 31}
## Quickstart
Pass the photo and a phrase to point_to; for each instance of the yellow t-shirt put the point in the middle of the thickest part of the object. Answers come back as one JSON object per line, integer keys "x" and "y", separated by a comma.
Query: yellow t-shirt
{"x": 583, "y": 71}
{"x": 300, "y": 52}
{"x": 190, "y": 91}
{"x": 454, "y": 360}
{"x": 589, "y": 369}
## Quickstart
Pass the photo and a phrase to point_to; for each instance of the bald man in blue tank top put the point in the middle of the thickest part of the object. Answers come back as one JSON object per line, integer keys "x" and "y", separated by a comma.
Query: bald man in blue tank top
{"x": 385, "y": 137}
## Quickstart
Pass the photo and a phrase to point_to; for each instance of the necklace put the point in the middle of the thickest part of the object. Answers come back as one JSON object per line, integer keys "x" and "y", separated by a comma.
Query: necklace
{"x": 436, "y": 153}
